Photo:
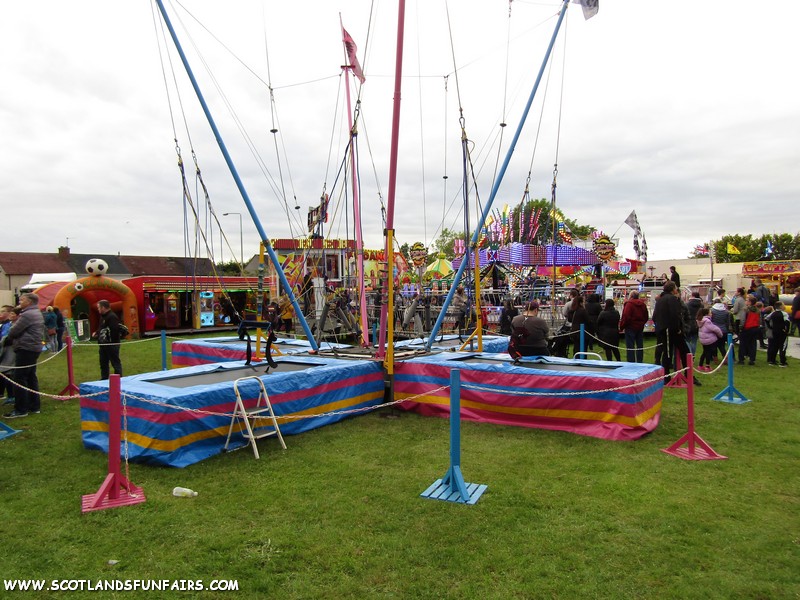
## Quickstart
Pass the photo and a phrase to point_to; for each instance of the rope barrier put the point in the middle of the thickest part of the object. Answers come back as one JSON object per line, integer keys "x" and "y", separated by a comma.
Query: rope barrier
{"x": 284, "y": 417}
{"x": 519, "y": 392}
{"x": 139, "y": 341}
{"x": 40, "y": 393}
{"x": 48, "y": 359}
{"x": 126, "y": 395}
{"x": 721, "y": 363}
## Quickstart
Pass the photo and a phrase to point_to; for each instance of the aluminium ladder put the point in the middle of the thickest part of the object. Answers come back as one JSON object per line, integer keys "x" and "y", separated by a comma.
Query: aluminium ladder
{"x": 260, "y": 412}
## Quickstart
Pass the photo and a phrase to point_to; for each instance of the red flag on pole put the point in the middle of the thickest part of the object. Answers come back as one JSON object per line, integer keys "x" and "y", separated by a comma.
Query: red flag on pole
{"x": 350, "y": 47}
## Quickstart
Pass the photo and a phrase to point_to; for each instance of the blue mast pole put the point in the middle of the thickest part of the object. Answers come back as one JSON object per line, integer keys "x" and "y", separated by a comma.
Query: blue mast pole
{"x": 239, "y": 184}
{"x": 496, "y": 186}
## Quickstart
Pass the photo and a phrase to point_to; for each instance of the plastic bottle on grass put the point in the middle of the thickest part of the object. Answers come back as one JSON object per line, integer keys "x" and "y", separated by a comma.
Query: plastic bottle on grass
{"x": 182, "y": 492}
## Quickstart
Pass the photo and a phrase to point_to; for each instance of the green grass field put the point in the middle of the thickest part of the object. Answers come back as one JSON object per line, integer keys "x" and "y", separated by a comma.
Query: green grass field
{"x": 339, "y": 514}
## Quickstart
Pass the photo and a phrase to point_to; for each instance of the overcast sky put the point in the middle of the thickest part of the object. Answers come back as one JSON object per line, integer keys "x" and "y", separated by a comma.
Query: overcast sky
{"x": 687, "y": 112}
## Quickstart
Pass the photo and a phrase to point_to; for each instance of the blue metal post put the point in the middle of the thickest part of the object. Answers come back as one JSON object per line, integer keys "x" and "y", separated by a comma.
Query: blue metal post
{"x": 452, "y": 487}
{"x": 455, "y": 423}
{"x": 163, "y": 350}
{"x": 730, "y": 394}
{"x": 239, "y": 184}
{"x": 583, "y": 338}
{"x": 501, "y": 173}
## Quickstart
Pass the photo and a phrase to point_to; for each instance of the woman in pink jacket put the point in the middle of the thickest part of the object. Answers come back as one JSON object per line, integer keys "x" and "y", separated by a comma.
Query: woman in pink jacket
{"x": 708, "y": 334}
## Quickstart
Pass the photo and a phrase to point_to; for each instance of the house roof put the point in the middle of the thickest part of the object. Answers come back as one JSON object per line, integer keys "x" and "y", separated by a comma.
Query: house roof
{"x": 77, "y": 263}
{"x": 26, "y": 263}
{"x": 166, "y": 265}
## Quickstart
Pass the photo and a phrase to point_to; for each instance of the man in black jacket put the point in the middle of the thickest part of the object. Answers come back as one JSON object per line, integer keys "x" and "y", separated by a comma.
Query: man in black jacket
{"x": 670, "y": 335}
{"x": 108, "y": 337}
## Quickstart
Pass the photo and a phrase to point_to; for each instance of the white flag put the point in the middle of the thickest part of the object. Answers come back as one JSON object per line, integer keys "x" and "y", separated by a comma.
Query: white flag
{"x": 590, "y": 7}
{"x": 632, "y": 221}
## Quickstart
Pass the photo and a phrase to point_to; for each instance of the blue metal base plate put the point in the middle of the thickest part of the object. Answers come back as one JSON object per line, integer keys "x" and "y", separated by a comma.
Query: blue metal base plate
{"x": 6, "y": 431}
{"x": 440, "y": 490}
{"x": 731, "y": 395}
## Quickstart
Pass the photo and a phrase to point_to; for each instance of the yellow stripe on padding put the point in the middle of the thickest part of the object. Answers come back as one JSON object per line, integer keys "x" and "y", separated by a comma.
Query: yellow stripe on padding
{"x": 174, "y": 444}
{"x": 584, "y": 415}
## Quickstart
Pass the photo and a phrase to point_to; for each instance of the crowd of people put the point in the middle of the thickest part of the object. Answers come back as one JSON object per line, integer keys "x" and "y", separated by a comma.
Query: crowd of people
{"x": 754, "y": 317}
{"x": 26, "y": 332}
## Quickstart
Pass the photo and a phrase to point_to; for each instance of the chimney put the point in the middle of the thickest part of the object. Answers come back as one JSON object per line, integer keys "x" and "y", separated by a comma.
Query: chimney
{"x": 63, "y": 252}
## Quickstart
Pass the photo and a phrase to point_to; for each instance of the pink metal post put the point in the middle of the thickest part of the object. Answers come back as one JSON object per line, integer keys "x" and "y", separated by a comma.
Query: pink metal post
{"x": 679, "y": 379}
{"x": 71, "y": 389}
{"x": 697, "y": 448}
{"x": 108, "y": 496}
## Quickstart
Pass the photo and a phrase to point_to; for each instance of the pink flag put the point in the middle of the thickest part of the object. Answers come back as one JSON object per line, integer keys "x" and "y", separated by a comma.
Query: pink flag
{"x": 350, "y": 47}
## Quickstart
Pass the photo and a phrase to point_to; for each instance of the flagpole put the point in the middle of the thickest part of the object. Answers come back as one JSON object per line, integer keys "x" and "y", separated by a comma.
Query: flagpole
{"x": 499, "y": 178}
{"x": 362, "y": 294}
{"x": 711, "y": 262}
{"x": 386, "y": 351}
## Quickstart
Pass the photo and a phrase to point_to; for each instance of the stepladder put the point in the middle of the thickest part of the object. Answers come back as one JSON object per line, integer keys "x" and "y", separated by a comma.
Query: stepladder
{"x": 255, "y": 423}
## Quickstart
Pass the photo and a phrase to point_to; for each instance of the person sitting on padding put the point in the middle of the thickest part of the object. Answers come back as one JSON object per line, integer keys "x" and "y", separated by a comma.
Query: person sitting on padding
{"x": 529, "y": 334}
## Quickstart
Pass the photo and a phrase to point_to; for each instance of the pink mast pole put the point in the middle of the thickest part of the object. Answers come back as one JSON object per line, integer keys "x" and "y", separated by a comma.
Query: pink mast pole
{"x": 389, "y": 255}
{"x": 362, "y": 294}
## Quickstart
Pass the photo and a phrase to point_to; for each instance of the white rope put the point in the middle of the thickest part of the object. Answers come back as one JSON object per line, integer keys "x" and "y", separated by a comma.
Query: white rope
{"x": 53, "y": 396}
{"x": 519, "y": 392}
{"x": 139, "y": 341}
{"x": 287, "y": 417}
{"x": 48, "y": 359}
{"x": 721, "y": 363}
{"x": 125, "y": 429}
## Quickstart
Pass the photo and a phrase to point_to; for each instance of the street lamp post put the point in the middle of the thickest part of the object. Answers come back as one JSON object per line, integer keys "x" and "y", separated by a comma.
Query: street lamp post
{"x": 241, "y": 238}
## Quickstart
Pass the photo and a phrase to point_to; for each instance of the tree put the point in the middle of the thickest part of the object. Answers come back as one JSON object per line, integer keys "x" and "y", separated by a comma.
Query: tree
{"x": 784, "y": 247}
{"x": 405, "y": 250}
{"x": 446, "y": 241}
{"x": 232, "y": 267}
{"x": 544, "y": 234}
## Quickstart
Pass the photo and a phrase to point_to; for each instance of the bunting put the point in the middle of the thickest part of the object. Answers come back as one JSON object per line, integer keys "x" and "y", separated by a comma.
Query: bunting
{"x": 533, "y": 226}
{"x": 564, "y": 233}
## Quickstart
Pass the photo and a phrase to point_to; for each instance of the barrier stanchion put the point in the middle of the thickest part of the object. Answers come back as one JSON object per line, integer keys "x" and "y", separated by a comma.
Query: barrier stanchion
{"x": 6, "y": 431}
{"x": 163, "y": 350}
{"x": 696, "y": 448}
{"x": 116, "y": 490}
{"x": 71, "y": 389}
{"x": 583, "y": 338}
{"x": 730, "y": 394}
{"x": 679, "y": 379}
{"x": 452, "y": 487}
